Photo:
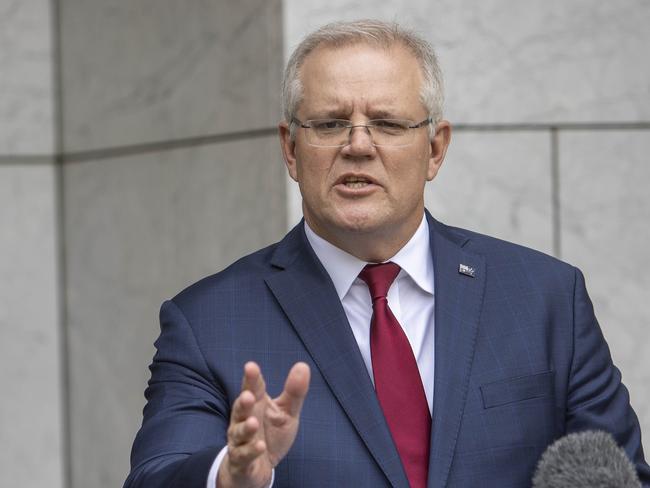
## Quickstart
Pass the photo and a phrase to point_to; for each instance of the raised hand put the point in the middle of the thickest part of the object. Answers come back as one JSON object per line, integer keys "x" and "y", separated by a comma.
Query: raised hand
{"x": 262, "y": 429}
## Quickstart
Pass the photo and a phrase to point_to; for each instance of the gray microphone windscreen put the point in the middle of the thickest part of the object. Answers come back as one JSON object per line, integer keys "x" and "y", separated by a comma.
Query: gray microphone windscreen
{"x": 590, "y": 459}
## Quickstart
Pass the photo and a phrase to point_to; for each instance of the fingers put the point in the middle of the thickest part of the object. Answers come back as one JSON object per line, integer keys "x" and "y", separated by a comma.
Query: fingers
{"x": 295, "y": 389}
{"x": 240, "y": 433}
{"x": 253, "y": 380}
{"x": 243, "y": 445}
{"x": 243, "y": 407}
{"x": 241, "y": 457}
{"x": 289, "y": 402}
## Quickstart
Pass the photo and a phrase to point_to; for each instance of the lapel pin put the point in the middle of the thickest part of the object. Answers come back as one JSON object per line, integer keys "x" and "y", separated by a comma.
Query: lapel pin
{"x": 466, "y": 270}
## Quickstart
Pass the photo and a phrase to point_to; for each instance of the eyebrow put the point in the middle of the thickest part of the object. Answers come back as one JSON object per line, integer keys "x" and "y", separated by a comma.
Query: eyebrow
{"x": 343, "y": 113}
{"x": 337, "y": 113}
{"x": 382, "y": 114}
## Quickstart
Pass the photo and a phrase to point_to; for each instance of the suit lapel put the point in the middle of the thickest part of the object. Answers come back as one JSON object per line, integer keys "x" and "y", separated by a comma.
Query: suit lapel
{"x": 459, "y": 297}
{"x": 306, "y": 294}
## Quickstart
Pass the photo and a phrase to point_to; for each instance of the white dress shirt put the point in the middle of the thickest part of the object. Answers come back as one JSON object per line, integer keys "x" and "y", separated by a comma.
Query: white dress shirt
{"x": 410, "y": 298}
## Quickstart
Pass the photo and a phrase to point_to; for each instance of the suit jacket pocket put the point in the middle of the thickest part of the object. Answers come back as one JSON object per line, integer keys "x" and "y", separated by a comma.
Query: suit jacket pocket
{"x": 517, "y": 389}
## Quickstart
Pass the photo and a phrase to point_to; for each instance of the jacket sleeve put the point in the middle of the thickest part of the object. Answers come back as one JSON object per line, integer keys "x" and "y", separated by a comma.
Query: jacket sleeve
{"x": 186, "y": 416}
{"x": 597, "y": 399}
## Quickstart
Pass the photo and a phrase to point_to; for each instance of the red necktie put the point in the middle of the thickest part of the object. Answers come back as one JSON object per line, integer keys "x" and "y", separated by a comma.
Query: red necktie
{"x": 397, "y": 379}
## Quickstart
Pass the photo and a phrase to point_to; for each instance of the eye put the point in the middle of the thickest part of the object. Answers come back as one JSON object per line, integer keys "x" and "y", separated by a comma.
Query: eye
{"x": 390, "y": 125}
{"x": 328, "y": 124}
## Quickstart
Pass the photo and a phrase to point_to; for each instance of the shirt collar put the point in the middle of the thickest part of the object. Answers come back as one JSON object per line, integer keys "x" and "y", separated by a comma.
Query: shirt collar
{"x": 414, "y": 259}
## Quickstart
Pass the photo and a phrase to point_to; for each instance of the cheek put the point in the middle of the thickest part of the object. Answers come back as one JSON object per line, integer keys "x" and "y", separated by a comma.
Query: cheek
{"x": 410, "y": 170}
{"x": 313, "y": 170}
{"x": 303, "y": 166}
{"x": 311, "y": 179}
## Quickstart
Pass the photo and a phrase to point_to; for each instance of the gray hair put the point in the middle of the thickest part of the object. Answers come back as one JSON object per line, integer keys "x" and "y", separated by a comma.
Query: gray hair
{"x": 373, "y": 32}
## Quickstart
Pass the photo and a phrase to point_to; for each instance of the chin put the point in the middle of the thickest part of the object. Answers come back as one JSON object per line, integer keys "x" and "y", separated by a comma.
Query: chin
{"x": 347, "y": 220}
{"x": 361, "y": 222}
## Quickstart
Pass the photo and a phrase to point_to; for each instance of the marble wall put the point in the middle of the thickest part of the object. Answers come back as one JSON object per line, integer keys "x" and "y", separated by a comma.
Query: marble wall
{"x": 171, "y": 171}
{"x": 26, "y": 78}
{"x": 160, "y": 70}
{"x": 31, "y": 426}
{"x": 531, "y": 87}
{"x": 483, "y": 185}
{"x": 513, "y": 62}
{"x": 31, "y": 417}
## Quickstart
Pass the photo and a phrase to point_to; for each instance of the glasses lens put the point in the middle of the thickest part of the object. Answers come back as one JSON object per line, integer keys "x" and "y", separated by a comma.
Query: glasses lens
{"x": 328, "y": 132}
{"x": 391, "y": 132}
{"x": 336, "y": 132}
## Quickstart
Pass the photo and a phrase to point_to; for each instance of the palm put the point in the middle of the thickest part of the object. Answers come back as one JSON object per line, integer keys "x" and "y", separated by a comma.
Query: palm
{"x": 278, "y": 429}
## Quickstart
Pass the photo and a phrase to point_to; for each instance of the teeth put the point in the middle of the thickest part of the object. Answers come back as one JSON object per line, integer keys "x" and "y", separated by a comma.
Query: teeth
{"x": 356, "y": 184}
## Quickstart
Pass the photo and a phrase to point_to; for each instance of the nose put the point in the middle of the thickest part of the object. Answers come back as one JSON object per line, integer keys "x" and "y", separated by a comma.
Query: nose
{"x": 359, "y": 143}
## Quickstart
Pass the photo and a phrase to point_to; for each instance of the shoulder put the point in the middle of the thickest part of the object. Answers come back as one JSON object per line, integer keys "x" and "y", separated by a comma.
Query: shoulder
{"x": 247, "y": 273}
{"x": 508, "y": 258}
{"x": 244, "y": 280}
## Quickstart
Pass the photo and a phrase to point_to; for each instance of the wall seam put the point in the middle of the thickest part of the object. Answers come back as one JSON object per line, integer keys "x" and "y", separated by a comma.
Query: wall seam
{"x": 172, "y": 144}
{"x": 555, "y": 194}
{"x": 26, "y": 160}
{"x": 64, "y": 359}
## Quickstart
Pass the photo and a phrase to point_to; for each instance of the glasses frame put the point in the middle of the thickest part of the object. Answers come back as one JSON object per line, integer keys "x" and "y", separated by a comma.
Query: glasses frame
{"x": 350, "y": 126}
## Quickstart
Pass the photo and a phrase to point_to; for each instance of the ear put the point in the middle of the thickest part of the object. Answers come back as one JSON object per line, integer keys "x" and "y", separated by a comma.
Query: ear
{"x": 288, "y": 150}
{"x": 439, "y": 145}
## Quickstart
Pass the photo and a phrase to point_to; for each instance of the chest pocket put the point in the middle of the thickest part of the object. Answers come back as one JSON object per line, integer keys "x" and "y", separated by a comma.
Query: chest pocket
{"x": 517, "y": 389}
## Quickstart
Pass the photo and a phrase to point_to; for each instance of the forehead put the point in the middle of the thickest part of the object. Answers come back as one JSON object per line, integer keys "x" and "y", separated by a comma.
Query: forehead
{"x": 361, "y": 75}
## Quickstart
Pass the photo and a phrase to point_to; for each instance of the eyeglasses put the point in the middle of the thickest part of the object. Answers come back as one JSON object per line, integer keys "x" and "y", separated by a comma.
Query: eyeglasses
{"x": 337, "y": 132}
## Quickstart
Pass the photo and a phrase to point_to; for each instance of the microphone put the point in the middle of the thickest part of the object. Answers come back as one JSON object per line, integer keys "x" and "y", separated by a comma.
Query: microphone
{"x": 589, "y": 459}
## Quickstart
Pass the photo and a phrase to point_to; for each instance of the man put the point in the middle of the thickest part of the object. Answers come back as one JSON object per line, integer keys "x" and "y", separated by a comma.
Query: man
{"x": 455, "y": 362}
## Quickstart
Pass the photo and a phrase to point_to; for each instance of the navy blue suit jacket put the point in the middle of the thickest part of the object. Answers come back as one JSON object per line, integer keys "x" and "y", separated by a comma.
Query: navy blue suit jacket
{"x": 519, "y": 361}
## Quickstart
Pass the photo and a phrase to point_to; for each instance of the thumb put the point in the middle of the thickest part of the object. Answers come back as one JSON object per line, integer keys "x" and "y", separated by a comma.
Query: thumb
{"x": 295, "y": 389}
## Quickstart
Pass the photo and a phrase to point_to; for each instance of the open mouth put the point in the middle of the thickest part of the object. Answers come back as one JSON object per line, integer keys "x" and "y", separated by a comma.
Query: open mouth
{"x": 355, "y": 182}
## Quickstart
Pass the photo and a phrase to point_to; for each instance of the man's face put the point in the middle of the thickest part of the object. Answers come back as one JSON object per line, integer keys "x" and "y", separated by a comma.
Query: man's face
{"x": 359, "y": 188}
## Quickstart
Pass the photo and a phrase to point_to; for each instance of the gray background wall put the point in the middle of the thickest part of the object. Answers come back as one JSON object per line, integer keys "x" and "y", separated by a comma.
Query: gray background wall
{"x": 30, "y": 303}
{"x": 138, "y": 153}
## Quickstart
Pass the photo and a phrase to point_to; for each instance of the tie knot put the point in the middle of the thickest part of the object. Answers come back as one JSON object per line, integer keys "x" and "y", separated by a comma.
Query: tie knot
{"x": 379, "y": 277}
